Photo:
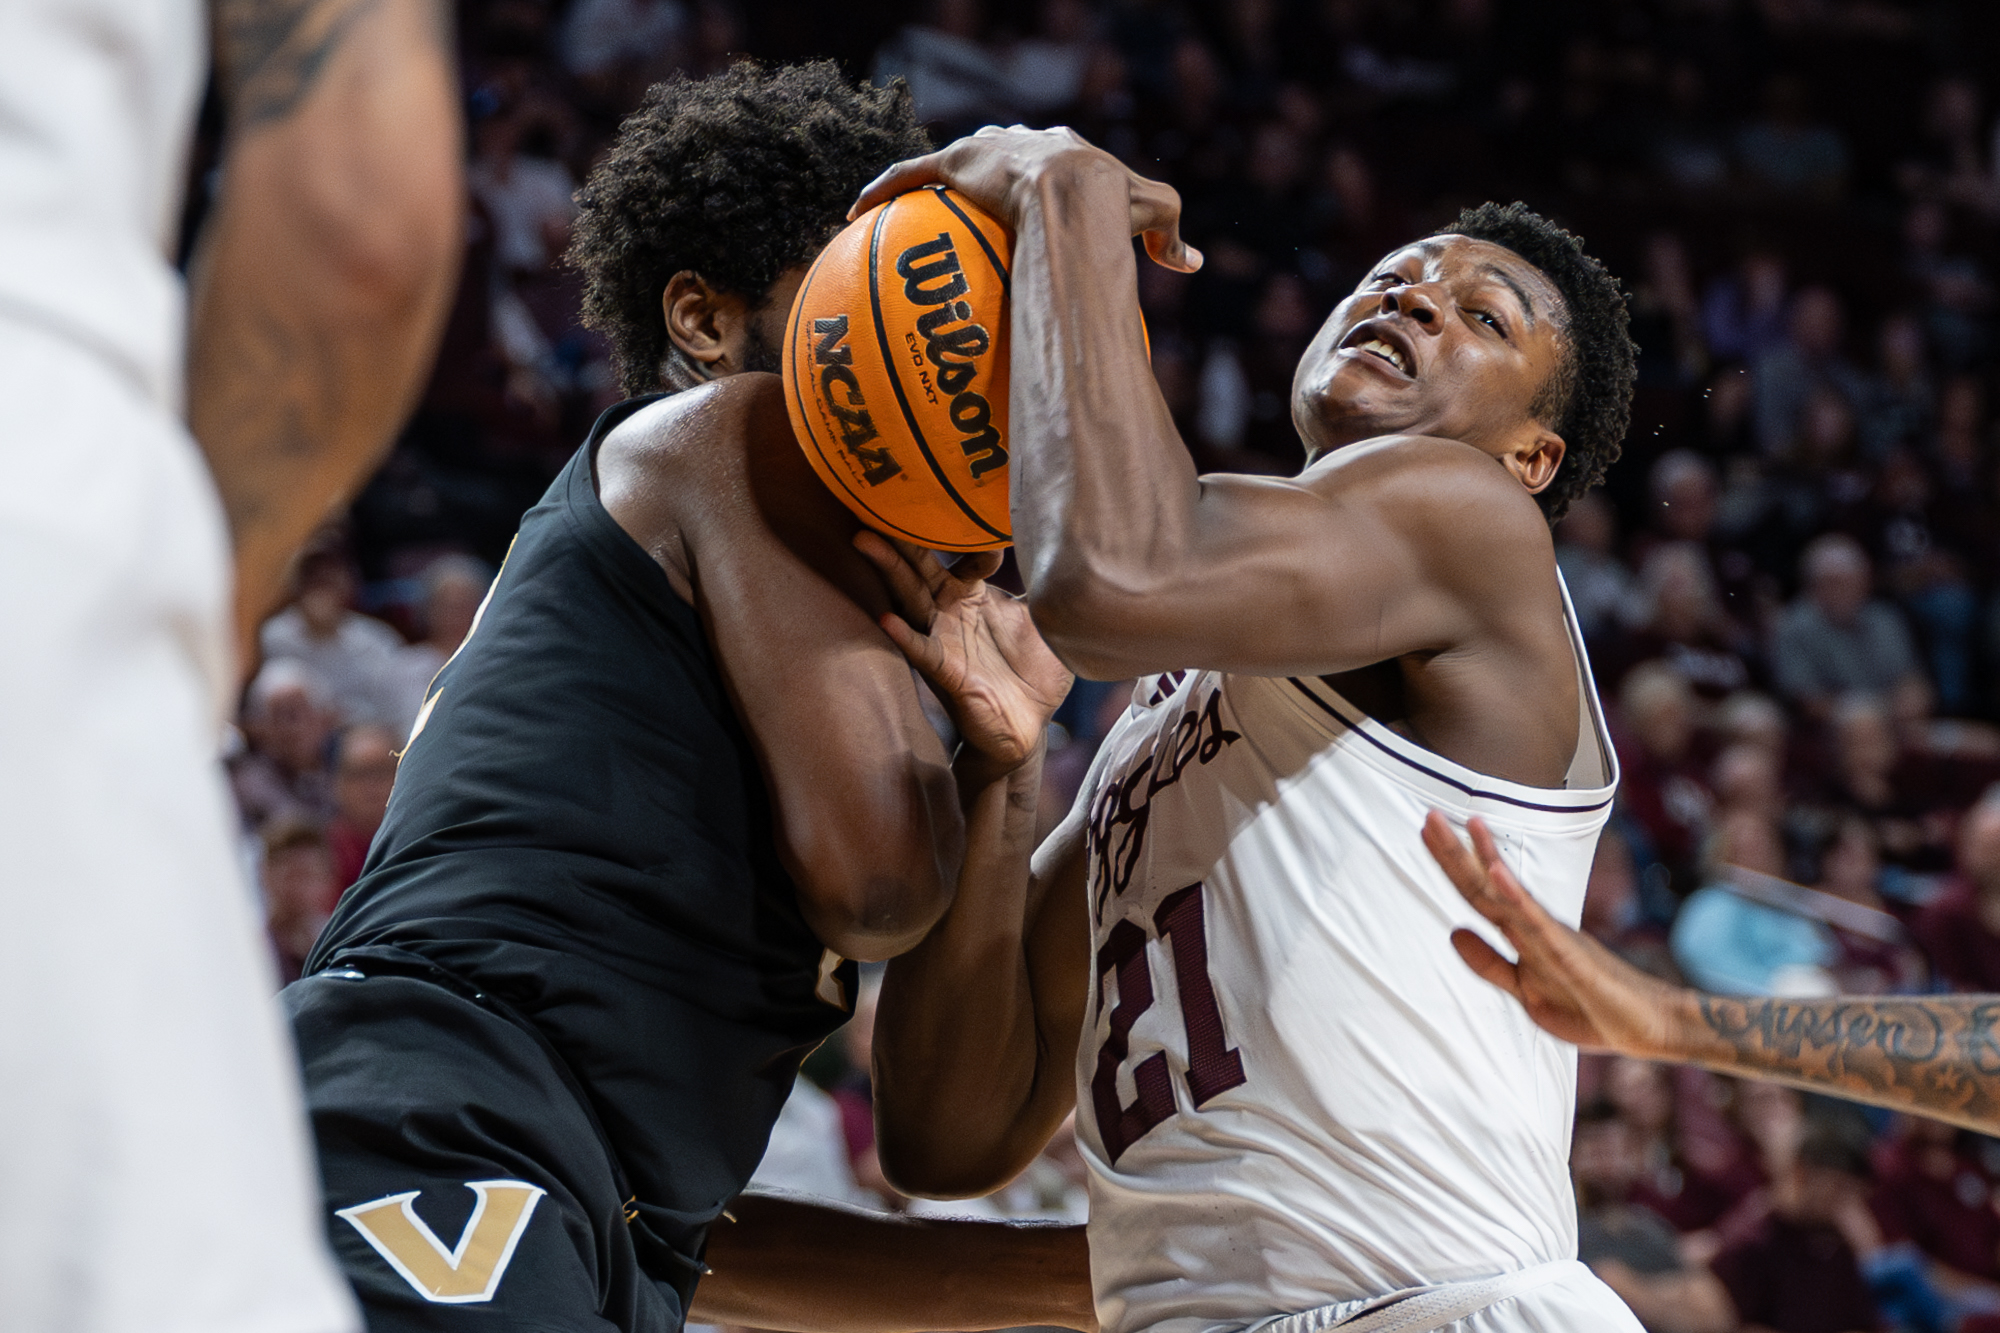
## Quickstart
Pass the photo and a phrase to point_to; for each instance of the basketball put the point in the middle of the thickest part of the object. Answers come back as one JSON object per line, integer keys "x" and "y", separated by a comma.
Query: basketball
{"x": 895, "y": 370}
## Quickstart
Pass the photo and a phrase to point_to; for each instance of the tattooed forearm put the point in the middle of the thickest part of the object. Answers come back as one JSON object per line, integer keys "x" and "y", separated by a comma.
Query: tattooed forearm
{"x": 269, "y": 53}
{"x": 1938, "y": 1055}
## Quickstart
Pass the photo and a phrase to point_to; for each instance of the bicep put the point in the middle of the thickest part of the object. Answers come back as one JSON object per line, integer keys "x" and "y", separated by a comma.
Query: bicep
{"x": 866, "y": 809}
{"x": 1269, "y": 577}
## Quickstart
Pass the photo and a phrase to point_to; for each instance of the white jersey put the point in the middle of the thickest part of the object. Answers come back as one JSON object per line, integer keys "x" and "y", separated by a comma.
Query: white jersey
{"x": 1292, "y": 1092}
{"x": 152, "y": 1142}
{"x": 97, "y": 102}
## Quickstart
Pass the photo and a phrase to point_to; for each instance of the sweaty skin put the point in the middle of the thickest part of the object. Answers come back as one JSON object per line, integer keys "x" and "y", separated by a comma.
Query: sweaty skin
{"x": 873, "y": 820}
{"x": 1935, "y": 1055}
{"x": 710, "y": 483}
{"x": 1408, "y": 563}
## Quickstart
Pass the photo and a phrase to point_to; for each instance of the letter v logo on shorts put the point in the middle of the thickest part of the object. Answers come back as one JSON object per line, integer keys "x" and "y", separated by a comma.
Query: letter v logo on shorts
{"x": 468, "y": 1273}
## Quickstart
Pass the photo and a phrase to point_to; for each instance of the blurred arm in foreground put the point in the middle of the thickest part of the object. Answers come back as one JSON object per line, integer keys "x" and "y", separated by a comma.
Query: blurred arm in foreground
{"x": 780, "y": 1263}
{"x": 1936, "y": 1055}
{"x": 324, "y": 274}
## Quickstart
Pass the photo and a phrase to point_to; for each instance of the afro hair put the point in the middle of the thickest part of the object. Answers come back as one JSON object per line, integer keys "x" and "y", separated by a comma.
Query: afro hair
{"x": 738, "y": 177}
{"x": 1588, "y": 401}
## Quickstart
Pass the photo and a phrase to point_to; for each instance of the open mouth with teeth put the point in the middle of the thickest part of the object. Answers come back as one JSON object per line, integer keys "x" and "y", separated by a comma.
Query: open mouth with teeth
{"x": 1376, "y": 347}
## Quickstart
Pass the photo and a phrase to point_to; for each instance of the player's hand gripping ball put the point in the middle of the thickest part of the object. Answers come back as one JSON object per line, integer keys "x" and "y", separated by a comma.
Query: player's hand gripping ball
{"x": 895, "y": 370}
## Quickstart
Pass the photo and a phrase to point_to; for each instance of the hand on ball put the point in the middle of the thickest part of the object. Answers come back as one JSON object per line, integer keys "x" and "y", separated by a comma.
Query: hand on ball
{"x": 975, "y": 645}
{"x": 1000, "y": 170}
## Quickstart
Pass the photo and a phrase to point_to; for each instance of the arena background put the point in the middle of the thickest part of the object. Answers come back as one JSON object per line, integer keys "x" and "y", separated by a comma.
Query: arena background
{"x": 1790, "y": 584}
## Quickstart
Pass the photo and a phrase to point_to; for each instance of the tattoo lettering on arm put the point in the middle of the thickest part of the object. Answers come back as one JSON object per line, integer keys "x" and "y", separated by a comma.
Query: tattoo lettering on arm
{"x": 1938, "y": 1055}
{"x": 269, "y": 53}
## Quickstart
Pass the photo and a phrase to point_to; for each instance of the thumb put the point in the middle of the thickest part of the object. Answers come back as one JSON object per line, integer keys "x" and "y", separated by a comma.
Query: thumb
{"x": 920, "y": 650}
{"x": 1166, "y": 248}
{"x": 899, "y": 179}
{"x": 1483, "y": 959}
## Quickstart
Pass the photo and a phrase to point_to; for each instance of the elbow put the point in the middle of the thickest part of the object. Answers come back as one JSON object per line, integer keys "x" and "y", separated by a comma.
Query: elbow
{"x": 389, "y": 244}
{"x": 1087, "y": 609}
{"x": 927, "y": 1164}
{"x": 870, "y": 918}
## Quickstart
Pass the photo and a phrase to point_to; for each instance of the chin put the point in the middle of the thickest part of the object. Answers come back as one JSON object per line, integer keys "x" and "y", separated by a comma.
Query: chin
{"x": 1332, "y": 418}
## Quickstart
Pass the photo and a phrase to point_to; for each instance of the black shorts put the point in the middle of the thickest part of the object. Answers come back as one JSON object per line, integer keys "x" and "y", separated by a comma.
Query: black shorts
{"x": 466, "y": 1186}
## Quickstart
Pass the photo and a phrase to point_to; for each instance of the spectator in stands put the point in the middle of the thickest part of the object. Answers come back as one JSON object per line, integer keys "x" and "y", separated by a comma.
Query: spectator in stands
{"x": 1787, "y": 153}
{"x": 288, "y": 720}
{"x": 454, "y": 586}
{"x": 1749, "y": 776}
{"x": 295, "y": 871}
{"x": 1693, "y": 1173}
{"x": 616, "y": 47}
{"x": 1683, "y": 624}
{"x": 1935, "y": 1188}
{"x": 1756, "y": 720}
{"x": 1661, "y": 791}
{"x": 1808, "y": 359}
{"x": 1961, "y": 928}
{"x": 1835, "y": 638}
{"x": 364, "y": 769}
{"x": 1627, "y": 1244}
{"x": 352, "y": 656}
{"x": 1875, "y": 956}
{"x": 1905, "y": 798}
{"x": 1799, "y": 1270}
{"x": 1900, "y": 399}
{"x": 1733, "y": 944}
{"x": 1600, "y": 586}
{"x": 1743, "y": 314}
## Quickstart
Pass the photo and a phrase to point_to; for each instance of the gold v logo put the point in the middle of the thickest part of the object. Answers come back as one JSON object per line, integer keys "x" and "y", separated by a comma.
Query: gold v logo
{"x": 471, "y": 1271}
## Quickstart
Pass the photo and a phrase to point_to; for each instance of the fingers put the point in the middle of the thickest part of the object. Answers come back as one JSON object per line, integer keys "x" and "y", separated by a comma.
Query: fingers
{"x": 1483, "y": 959}
{"x": 912, "y": 592}
{"x": 1156, "y": 216}
{"x": 925, "y": 562}
{"x": 920, "y": 650}
{"x": 1465, "y": 871}
{"x": 899, "y": 179}
{"x": 977, "y": 567}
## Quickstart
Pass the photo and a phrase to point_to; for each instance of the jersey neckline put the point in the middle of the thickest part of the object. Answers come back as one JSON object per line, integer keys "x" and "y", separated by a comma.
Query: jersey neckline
{"x": 1328, "y": 705}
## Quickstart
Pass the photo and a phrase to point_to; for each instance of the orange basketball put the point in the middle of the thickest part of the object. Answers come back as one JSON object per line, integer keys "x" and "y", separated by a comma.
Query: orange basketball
{"x": 895, "y": 370}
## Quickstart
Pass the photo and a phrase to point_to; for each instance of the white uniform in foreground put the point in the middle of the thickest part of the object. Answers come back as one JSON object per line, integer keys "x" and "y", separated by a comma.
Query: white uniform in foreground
{"x": 1294, "y": 1097}
{"x": 152, "y": 1146}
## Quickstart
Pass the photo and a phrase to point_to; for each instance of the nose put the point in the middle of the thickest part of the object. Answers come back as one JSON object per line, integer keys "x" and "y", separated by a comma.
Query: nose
{"x": 1413, "y": 300}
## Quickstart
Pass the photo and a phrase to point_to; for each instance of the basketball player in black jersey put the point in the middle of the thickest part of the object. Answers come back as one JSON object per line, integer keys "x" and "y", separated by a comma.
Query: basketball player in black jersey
{"x": 675, "y": 778}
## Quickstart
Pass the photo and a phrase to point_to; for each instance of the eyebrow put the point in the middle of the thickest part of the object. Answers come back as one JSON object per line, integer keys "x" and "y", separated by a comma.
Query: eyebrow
{"x": 1520, "y": 293}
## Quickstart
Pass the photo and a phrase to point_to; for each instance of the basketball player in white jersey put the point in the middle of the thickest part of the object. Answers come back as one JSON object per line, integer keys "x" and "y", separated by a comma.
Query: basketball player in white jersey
{"x": 153, "y": 1161}
{"x": 1299, "y": 1107}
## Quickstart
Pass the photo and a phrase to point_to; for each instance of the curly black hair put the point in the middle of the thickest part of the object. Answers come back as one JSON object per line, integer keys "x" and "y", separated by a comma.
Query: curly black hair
{"x": 738, "y": 177}
{"x": 1588, "y": 400}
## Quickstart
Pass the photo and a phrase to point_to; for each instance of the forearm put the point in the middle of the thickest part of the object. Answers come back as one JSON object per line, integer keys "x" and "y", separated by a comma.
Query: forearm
{"x": 784, "y": 1264}
{"x": 958, "y": 1064}
{"x": 1104, "y": 491}
{"x": 1937, "y": 1055}
{"x": 323, "y": 277}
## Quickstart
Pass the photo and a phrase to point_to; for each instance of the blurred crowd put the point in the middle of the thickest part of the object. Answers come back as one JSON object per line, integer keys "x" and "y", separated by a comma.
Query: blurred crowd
{"x": 1790, "y": 585}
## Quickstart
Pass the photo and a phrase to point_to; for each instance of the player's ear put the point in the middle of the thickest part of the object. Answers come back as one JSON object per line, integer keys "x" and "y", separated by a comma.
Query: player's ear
{"x": 1535, "y": 458}
{"x": 703, "y": 324}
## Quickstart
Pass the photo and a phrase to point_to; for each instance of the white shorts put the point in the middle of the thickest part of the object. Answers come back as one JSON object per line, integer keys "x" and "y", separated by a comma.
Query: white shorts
{"x": 154, "y": 1169}
{"x": 1559, "y": 1297}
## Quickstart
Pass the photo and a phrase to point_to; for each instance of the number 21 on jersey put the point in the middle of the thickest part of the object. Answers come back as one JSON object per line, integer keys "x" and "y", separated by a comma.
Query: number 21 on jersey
{"x": 1213, "y": 1065}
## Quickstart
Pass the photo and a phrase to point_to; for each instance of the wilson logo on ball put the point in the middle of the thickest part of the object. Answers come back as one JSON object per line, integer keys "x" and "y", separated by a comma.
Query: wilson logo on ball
{"x": 952, "y": 351}
{"x": 895, "y": 370}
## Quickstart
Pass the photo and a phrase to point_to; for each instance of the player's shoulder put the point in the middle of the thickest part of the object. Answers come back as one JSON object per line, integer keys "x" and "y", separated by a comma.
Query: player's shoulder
{"x": 1438, "y": 490}
{"x": 703, "y": 427}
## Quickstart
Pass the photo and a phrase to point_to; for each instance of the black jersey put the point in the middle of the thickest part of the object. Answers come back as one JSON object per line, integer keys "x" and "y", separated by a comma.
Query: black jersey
{"x": 580, "y": 828}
